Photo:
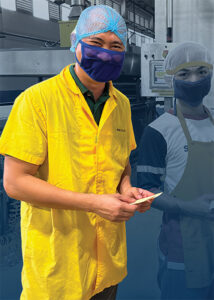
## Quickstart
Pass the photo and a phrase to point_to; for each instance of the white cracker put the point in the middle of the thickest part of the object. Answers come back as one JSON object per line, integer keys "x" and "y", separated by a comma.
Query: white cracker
{"x": 145, "y": 199}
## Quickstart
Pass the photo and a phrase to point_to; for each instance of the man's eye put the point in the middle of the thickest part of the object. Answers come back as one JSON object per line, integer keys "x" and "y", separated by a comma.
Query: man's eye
{"x": 118, "y": 47}
{"x": 96, "y": 43}
{"x": 203, "y": 72}
{"x": 182, "y": 74}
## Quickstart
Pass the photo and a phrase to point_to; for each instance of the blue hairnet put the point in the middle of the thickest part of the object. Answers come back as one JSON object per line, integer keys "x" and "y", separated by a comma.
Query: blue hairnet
{"x": 97, "y": 19}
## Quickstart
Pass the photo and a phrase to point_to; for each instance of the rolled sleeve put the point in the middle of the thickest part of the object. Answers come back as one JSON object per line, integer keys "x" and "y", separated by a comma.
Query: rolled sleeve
{"x": 24, "y": 135}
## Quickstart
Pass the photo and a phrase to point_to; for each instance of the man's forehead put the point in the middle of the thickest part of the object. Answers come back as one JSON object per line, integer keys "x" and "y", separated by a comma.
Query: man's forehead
{"x": 195, "y": 68}
{"x": 104, "y": 35}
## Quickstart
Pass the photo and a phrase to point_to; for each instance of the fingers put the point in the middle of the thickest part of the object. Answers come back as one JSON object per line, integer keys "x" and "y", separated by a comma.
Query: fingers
{"x": 122, "y": 216}
{"x": 144, "y": 209}
{"x": 125, "y": 198}
{"x": 145, "y": 193}
{"x": 144, "y": 206}
{"x": 137, "y": 194}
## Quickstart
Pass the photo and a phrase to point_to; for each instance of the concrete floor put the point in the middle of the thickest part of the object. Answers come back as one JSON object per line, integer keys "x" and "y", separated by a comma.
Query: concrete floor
{"x": 141, "y": 282}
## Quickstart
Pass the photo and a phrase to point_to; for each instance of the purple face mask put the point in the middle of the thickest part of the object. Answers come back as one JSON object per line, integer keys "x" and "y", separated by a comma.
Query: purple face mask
{"x": 101, "y": 64}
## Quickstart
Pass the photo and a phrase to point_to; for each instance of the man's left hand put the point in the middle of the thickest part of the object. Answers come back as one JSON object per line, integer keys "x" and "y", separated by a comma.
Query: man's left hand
{"x": 138, "y": 193}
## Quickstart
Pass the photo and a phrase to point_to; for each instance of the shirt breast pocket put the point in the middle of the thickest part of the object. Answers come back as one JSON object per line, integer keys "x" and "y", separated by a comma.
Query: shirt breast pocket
{"x": 116, "y": 145}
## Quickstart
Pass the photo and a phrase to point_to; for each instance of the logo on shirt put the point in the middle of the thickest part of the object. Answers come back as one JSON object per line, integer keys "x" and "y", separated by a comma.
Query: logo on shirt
{"x": 121, "y": 130}
{"x": 186, "y": 148}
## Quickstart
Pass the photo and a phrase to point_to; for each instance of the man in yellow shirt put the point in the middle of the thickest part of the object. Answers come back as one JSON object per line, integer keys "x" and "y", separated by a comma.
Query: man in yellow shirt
{"x": 67, "y": 144}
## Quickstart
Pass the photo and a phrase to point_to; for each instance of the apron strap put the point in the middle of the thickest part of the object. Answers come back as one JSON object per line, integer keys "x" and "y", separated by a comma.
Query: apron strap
{"x": 183, "y": 124}
{"x": 209, "y": 114}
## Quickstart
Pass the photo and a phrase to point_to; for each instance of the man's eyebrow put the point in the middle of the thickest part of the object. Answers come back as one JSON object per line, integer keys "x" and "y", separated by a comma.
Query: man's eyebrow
{"x": 95, "y": 38}
{"x": 202, "y": 67}
{"x": 117, "y": 42}
{"x": 187, "y": 70}
{"x": 183, "y": 70}
{"x": 101, "y": 40}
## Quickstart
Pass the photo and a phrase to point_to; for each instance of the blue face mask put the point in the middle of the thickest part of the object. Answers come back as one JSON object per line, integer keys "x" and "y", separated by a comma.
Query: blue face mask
{"x": 192, "y": 92}
{"x": 101, "y": 64}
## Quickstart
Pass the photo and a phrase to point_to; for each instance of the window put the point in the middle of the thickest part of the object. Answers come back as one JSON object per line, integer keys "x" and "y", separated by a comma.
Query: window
{"x": 25, "y": 6}
{"x": 109, "y": 3}
{"x": 138, "y": 40}
{"x": 146, "y": 23}
{"x": 98, "y": 2}
{"x": 137, "y": 19}
{"x": 116, "y": 7}
{"x": 65, "y": 11}
{"x": 131, "y": 16}
{"x": 142, "y": 21}
{"x": 131, "y": 37}
{"x": 8, "y": 4}
{"x": 40, "y": 9}
{"x": 151, "y": 24}
{"x": 54, "y": 11}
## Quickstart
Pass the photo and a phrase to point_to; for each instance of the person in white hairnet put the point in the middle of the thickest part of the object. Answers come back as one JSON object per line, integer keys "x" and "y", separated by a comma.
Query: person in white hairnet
{"x": 67, "y": 144}
{"x": 176, "y": 156}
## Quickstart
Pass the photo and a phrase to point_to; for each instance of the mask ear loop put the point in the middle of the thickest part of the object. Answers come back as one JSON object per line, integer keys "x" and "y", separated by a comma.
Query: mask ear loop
{"x": 77, "y": 58}
{"x": 82, "y": 52}
{"x": 175, "y": 108}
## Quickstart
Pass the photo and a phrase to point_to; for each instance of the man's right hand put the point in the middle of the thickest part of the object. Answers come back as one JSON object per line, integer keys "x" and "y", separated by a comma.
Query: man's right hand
{"x": 201, "y": 207}
{"x": 21, "y": 183}
{"x": 114, "y": 207}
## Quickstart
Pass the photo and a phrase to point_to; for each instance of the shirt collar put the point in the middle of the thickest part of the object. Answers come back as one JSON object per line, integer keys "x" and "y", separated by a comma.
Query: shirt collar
{"x": 81, "y": 86}
{"x": 67, "y": 75}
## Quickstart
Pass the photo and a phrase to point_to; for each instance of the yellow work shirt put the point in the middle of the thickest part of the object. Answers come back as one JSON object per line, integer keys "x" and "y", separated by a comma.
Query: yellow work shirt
{"x": 70, "y": 254}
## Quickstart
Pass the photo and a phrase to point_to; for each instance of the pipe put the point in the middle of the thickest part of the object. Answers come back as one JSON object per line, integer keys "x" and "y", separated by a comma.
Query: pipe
{"x": 28, "y": 37}
{"x": 77, "y": 3}
{"x": 169, "y": 20}
{"x": 124, "y": 11}
{"x": 77, "y": 6}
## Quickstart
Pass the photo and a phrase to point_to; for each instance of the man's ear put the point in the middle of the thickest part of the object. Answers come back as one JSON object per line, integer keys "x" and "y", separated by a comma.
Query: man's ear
{"x": 73, "y": 40}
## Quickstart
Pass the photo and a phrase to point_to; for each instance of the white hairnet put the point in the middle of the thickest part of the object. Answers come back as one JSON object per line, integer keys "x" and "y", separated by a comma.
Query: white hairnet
{"x": 188, "y": 54}
{"x": 97, "y": 19}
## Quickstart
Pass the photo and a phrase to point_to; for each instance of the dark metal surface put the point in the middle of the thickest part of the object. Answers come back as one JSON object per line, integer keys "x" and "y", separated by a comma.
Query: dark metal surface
{"x": 49, "y": 62}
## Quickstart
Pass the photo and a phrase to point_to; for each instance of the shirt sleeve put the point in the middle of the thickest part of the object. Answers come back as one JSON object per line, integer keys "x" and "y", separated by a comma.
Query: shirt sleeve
{"x": 151, "y": 160}
{"x": 24, "y": 135}
{"x": 133, "y": 144}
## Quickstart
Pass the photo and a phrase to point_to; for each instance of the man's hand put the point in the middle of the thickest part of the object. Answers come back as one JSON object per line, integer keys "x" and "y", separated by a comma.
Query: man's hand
{"x": 202, "y": 206}
{"x": 138, "y": 193}
{"x": 114, "y": 207}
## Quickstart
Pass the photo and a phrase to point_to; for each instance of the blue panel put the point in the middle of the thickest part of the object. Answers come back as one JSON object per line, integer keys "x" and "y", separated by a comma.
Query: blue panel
{"x": 10, "y": 244}
{"x": 8, "y": 97}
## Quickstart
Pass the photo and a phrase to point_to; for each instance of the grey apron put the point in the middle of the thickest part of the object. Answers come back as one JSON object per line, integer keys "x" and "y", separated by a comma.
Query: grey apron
{"x": 197, "y": 234}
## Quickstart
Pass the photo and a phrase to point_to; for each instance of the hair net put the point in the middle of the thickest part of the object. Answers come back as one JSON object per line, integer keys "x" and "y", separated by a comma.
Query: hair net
{"x": 97, "y": 19}
{"x": 188, "y": 54}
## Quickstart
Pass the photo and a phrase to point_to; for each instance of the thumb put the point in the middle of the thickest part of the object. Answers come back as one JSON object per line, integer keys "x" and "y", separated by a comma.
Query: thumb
{"x": 137, "y": 193}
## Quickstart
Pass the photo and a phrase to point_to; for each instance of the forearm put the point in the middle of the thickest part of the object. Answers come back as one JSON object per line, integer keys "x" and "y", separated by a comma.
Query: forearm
{"x": 200, "y": 207}
{"x": 39, "y": 192}
{"x": 21, "y": 183}
{"x": 167, "y": 202}
{"x": 125, "y": 179}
